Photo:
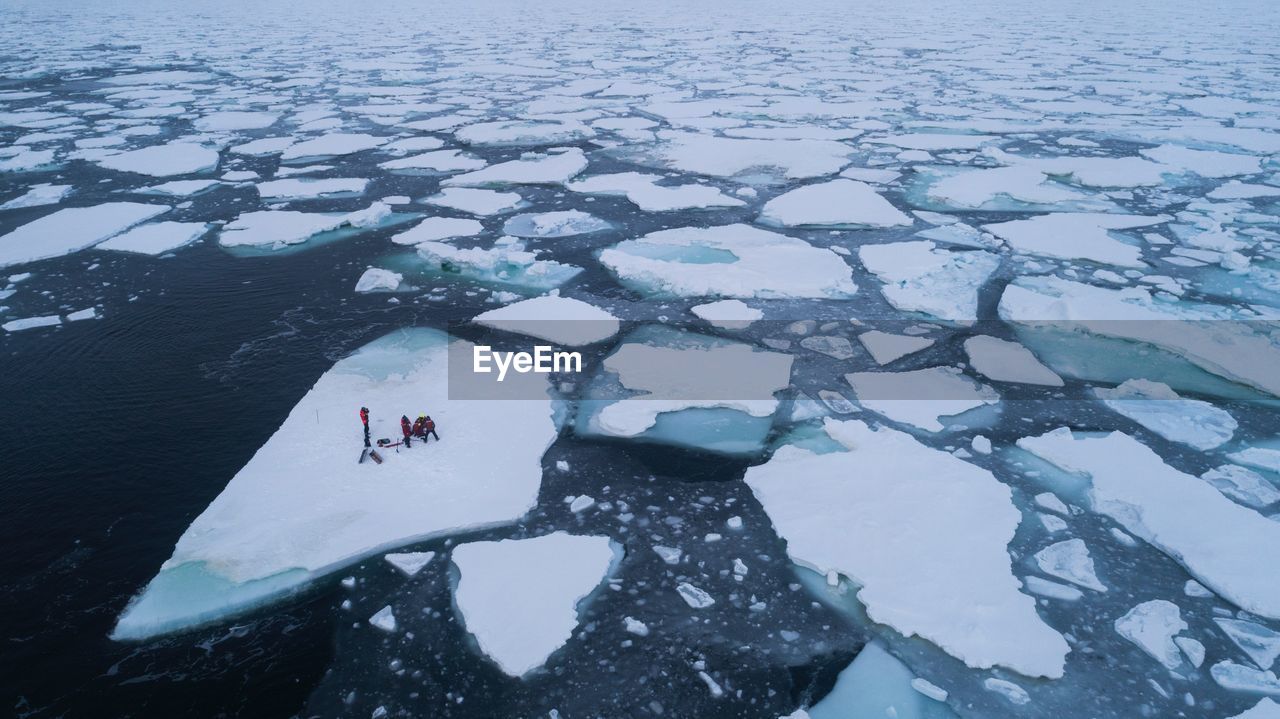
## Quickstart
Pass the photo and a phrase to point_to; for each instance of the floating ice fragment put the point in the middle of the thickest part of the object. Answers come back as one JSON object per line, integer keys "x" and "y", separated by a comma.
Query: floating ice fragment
{"x": 384, "y": 619}
{"x": 520, "y": 598}
{"x": 1070, "y": 560}
{"x": 71, "y": 230}
{"x": 1158, "y": 408}
{"x": 838, "y": 203}
{"x": 409, "y": 563}
{"x": 693, "y": 596}
{"x": 1006, "y": 361}
{"x": 1152, "y": 626}
{"x": 562, "y": 320}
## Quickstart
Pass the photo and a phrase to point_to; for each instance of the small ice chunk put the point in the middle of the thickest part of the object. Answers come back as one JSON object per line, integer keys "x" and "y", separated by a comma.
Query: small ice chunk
{"x": 1076, "y": 236}
{"x": 980, "y": 444}
{"x": 635, "y": 626}
{"x": 409, "y": 563}
{"x": 929, "y": 689}
{"x": 670, "y": 555}
{"x": 693, "y": 596}
{"x": 1050, "y": 501}
{"x": 37, "y": 195}
{"x": 1010, "y": 691}
{"x": 833, "y": 346}
{"x": 920, "y": 277}
{"x": 376, "y": 279}
{"x": 885, "y": 347}
{"x": 728, "y": 314}
{"x": 1192, "y": 649}
{"x": 384, "y": 620}
{"x": 1152, "y": 626}
{"x": 89, "y": 313}
{"x": 581, "y": 503}
{"x": 1070, "y": 560}
{"x": 331, "y": 145}
{"x": 1044, "y": 588}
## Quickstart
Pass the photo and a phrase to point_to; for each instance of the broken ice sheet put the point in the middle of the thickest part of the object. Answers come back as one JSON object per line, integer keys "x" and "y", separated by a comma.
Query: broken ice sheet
{"x": 661, "y": 385}
{"x": 935, "y": 521}
{"x": 302, "y": 508}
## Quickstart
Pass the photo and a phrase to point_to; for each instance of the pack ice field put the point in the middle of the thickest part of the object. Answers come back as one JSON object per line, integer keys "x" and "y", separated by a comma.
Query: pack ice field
{"x": 858, "y": 359}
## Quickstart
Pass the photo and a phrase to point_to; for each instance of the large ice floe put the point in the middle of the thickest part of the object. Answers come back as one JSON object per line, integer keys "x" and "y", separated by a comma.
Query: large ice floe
{"x": 1227, "y": 547}
{"x": 562, "y": 320}
{"x": 1220, "y": 339}
{"x": 302, "y": 507}
{"x": 519, "y": 597}
{"x": 71, "y": 230}
{"x": 923, "y": 534}
{"x": 733, "y": 261}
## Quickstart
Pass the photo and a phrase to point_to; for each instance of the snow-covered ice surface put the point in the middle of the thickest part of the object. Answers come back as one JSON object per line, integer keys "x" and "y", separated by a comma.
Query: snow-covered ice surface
{"x": 254, "y": 543}
{"x": 551, "y": 575}
{"x": 954, "y": 227}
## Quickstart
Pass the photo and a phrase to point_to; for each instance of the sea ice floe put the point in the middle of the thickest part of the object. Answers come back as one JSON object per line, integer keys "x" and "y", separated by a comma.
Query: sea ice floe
{"x": 520, "y": 598}
{"x": 271, "y": 229}
{"x": 71, "y": 230}
{"x": 507, "y": 263}
{"x": 1070, "y": 560}
{"x": 443, "y": 161}
{"x": 1225, "y": 546}
{"x": 30, "y": 323}
{"x": 562, "y": 320}
{"x": 885, "y": 347}
{"x": 728, "y": 314}
{"x": 180, "y": 157}
{"x": 376, "y": 279}
{"x": 643, "y": 191}
{"x": 554, "y": 167}
{"x": 936, "y": 522}
{"x": 1152, "y": 625}
{"x": 1243, "y": 485}
{"x": 1266, "y": 458}
{"x": 666, "y": 386}
{"x": 1157, "y": 407}
{"x": 304, "y": 189}
{"x": 1261, "y": 644}
{"x": 732, "y": 261}
{"x": 837, "y": 203}
{"x": 1076, "y": 236}
{"x": 1206, "y": 163}
{"x": 332, "y": 145}
{"x": 1219, "y": 339}
{"x": 1264, "y": 709}
{"x": 226, "y": 121}
{"x": 1005, "y": 361}
{"x": 476, "y": 201}
{"x": 1243, "y": 678}
{"x": 524, "y": 132}
{"x": 37, "y": 195}
{"x": 562, "y": 223}
{"x": 409, "y": 563}
{"x": 920, "y": 277}
{"x": 156, "y": 238}
{"x": 1019, "y": 187}
{"x": 1236, "y": 190}
{"x": 303, "y": 507}
{"x": 920, "y": 398}
{"x": 727, "y": 157}
{"x": 179, "y": 188}
{"x": 434, "y": 229}
{"x": 935, "y": 141}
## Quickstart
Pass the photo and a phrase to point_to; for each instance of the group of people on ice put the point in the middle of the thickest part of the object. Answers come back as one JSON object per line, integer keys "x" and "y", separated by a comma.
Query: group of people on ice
{"x": 419, "y": 429}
